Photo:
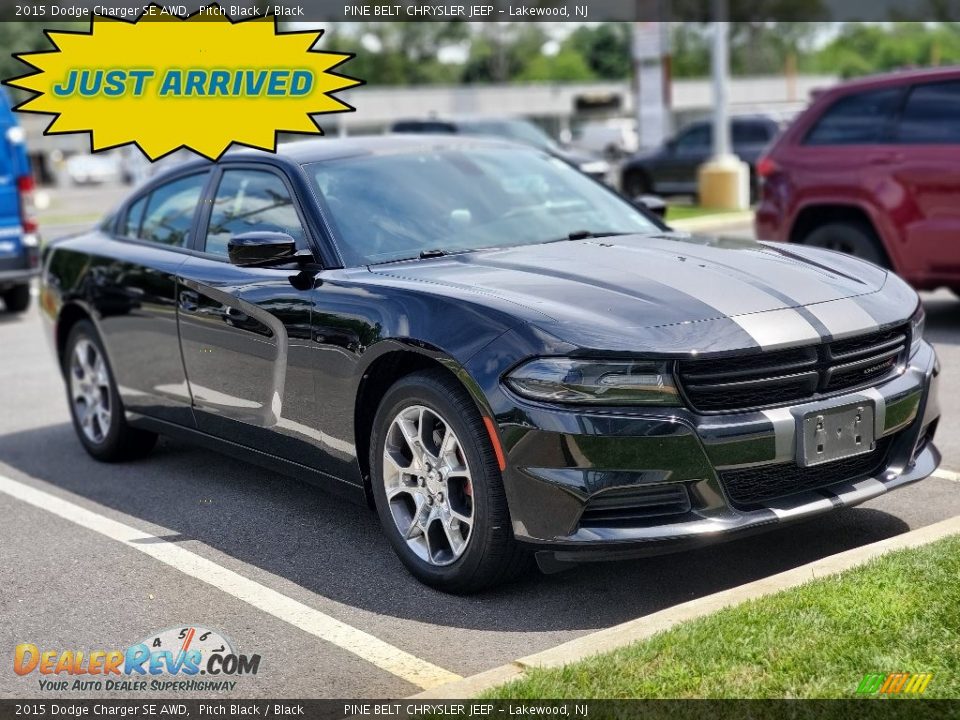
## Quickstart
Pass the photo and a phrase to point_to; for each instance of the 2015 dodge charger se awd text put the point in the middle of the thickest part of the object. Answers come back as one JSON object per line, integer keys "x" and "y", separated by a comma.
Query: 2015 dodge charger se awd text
{"x": 502, "y": 355}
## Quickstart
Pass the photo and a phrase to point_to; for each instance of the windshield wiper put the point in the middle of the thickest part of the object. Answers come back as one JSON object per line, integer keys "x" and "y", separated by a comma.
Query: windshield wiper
{"x": 423, "y": 255}
{"x": 586, "y": 234}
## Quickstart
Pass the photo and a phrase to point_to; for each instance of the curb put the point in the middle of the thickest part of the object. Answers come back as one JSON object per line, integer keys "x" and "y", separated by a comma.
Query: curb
{"x": 709, "y": 222}
{"x": 641, "y": 628}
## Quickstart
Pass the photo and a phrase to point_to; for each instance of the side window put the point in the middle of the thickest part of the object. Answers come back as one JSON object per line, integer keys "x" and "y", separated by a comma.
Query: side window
{"x": 859, "y": 119}
{"x": 131, "y": 223}
{"x": 251, "y": 200}
{"x": 170, "y": 209}
{"x": 696, "y": 139}
{"x": 931, "y": 114}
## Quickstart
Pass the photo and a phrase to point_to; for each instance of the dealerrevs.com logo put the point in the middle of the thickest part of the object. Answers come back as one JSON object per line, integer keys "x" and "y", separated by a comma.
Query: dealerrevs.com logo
{"x": 184, "y": 659}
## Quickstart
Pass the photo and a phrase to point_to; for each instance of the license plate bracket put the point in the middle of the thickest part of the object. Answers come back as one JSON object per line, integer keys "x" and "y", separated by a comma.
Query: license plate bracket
{"x": 835, "y": 433}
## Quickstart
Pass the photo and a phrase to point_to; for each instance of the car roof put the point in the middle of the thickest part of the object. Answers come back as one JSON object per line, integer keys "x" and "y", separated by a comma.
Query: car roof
{"x": 305, "y": 151}
{"x": 301, "y": 152}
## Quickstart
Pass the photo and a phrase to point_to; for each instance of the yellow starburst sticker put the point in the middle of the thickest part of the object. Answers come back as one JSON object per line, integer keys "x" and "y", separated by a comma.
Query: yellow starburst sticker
{"x": 201, "y": 82}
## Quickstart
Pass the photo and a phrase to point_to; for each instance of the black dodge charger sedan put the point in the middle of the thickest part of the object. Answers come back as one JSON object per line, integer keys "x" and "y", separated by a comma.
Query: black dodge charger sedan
{"x": 500, "y": 354}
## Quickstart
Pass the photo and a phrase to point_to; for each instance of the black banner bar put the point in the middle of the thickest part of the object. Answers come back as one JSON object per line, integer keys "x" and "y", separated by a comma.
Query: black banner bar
{"x": 166, "y": 709}
{"x": 54, "y": 11}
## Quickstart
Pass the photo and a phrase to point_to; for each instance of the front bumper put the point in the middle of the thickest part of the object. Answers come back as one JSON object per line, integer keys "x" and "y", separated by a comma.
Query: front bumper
{"x": 562, "y": 465}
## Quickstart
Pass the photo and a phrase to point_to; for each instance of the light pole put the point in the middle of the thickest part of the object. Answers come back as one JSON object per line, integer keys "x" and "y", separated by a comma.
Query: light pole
{"x": 720, "y": 69}
{"x": 724, "y": 180}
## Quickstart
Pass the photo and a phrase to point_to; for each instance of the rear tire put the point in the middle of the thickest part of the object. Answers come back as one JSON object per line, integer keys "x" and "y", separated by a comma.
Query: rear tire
{"x": 17, "y": 299}
{"x": 95, "y": 405}
{"x": 446, "y": 516}
{"x": 850, "y": 238}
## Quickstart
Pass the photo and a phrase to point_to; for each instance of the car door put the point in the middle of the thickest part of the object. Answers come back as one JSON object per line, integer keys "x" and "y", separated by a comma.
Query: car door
{"x": 132, "y": 286}
{"x": 245, "y": 332}
{"x": 677, "y": 168}
{"x": 924, "y": 162}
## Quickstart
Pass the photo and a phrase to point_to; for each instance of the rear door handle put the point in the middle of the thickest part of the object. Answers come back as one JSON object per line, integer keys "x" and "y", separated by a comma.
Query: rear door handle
{"x": 189, "y": 300}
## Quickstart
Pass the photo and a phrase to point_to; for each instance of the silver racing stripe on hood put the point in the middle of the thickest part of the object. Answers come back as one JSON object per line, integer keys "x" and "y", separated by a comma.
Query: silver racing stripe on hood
{"x": 844, "y": 318}
{"x": 770, "y": 317}
{"x": 776, "y": 329}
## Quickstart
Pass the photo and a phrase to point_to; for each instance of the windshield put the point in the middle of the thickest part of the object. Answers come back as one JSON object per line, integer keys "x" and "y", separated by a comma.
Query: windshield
{"x": 393, "y": 207}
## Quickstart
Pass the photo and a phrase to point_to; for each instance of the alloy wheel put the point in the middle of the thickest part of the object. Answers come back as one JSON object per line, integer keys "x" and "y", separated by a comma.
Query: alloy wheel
{"x": 428, "y": 485}
{"x": 90, "y": 390}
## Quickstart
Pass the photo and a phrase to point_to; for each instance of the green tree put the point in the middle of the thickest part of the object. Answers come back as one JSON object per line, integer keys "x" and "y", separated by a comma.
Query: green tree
{"x": 398, "y": 53}
{"x": 23, "y": 37}
{"x": 862, "y": 48}
{"x": 567, "y": 65}
{"x": 605, "y": 49}
{"x": 501, "y": 52}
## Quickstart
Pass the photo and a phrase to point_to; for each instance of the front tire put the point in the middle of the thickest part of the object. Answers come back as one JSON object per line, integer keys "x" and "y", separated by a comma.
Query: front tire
{"x": 95, "y": 405}
{"x": 850, "y": 238}
{"x": 17, "y": 299}
{"x": 438, "y": 488}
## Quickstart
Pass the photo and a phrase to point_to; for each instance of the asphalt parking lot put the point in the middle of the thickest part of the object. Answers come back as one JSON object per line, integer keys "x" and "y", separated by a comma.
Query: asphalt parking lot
{"x": 304, "y": 566}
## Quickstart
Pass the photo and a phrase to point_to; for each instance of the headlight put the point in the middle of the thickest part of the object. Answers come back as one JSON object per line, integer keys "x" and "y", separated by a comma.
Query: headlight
{"x": 596, "y": 382}
{"x": 917, "y": 323}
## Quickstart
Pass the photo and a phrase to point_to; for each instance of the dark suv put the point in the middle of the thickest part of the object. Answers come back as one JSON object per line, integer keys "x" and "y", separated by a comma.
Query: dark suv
{"x": 671, "y": 169}
{"x": 872, "y": 168}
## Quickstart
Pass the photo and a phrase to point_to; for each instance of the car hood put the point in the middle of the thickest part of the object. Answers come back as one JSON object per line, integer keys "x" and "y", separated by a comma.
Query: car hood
{"x": 671, "y": 292}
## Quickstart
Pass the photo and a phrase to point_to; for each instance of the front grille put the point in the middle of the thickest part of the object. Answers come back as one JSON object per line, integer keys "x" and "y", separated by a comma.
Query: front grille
{"x": 634, "y": 505}
{"x": 779, "y": 377}
{"x": 751, "y": 486}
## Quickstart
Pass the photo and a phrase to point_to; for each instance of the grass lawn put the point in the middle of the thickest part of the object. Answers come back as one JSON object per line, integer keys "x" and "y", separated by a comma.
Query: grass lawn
{"x": 686, "y": 212}
{"x": 899, "y": 613}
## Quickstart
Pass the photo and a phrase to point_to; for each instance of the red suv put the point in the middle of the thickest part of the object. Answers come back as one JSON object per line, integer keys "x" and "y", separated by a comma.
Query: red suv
{"x": 872, "y": 168}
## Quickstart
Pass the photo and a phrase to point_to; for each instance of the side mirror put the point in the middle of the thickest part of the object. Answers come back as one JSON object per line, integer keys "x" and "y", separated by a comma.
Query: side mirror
{"x": 652, "y": 204}
{"x": 261, "y": 249}
{"x": 671, "y": 145}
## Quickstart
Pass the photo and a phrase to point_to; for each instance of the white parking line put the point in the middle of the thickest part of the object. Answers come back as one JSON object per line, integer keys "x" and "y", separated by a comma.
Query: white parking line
{"x": 945, "y": 474}
{"x": 385, "y": 656}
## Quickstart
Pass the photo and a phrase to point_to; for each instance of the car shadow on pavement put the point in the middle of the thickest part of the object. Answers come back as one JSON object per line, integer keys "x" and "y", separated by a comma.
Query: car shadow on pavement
{"x": 335, "y": 549}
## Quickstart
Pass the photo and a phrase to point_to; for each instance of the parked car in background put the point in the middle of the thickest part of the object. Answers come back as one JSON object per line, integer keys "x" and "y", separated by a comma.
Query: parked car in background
{"x": 612, "y": 138}
{"x": 89, "y": 169}
{"x": 671, "y": 169}
{"x": 504, "y": 357}
{"x": 872, "y": 168}
{"x": 19, "y": 242}
{"x": 507, "y": 128}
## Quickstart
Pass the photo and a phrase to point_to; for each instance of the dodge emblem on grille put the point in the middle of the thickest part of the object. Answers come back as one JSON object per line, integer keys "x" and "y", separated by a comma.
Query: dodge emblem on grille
{"x": 879, "y": 366}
